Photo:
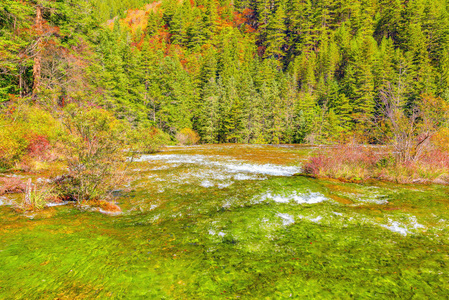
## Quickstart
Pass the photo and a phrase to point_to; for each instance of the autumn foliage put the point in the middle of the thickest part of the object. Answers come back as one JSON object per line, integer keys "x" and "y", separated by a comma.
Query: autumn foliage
{"x": 9, "y": 185}
{"x": 361, "y": 162}
{"x": 187, "y": 137}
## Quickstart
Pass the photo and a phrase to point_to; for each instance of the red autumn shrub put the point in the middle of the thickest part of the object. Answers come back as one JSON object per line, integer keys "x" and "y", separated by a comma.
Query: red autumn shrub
{"x": 364, "y": 162}
{"x": 38, "y": 146}
{"x": 9, "y": 185}
{"x": 436, "y": 158}
{"x": 330, "y": 160}
{"x": 315, "y": 164}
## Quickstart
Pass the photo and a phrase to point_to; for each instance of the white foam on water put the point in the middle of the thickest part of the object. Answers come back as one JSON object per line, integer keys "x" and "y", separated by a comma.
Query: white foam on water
{"x": 286, "y": 219}
{"x": 309, "y": 198}
{"x": 224, "y": 185}
{"x": 373, "y": 200}
{"x": 212, "y": 232}
{"x": 247, "y": 177}
{"x": 226, "y": 205}
{"x": 231, "y": 165}
{"x": 402, "y": 228}
{"x": 415, "y": 223}
{"x": 161, "y": 168}
{"x": 214, "y": 170}
{"x": 2, "y": 201}
{"x": 395, "y": 227}
{"x": 174, "y": 158}
{"x": 317, "y": 219}
{"x": 57, "y": 204}
{"x": 206, "y": 183}
{"x": 110, "y": 213}
{"x": 265, "y": 169}
{"x": 405, "y": 226}
{"x": 177, "y": 215}
{"x": 372, "y": 196}
{"x": 155, "y": 218}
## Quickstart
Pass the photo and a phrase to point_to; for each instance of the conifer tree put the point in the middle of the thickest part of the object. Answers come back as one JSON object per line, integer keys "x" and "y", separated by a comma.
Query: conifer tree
{"x": 276, "y": 34}
{"x": 208, "y": 124}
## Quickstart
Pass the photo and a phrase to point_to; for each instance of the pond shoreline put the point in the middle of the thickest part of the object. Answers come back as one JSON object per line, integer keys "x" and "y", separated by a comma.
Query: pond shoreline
{"x": 374, "y": 180}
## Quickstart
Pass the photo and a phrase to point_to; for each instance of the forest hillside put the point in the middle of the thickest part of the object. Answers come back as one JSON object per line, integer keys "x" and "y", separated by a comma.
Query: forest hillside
{"x": 264, "y": 71}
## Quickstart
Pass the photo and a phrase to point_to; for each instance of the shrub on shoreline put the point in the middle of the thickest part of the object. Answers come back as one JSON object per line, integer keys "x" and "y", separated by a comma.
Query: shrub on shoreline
{"x": 361, "y": 162}
{"x": 147, "y": 139}
{"x": 343, "y": 161}
{"x": 10, "y": 185}
{"x": 88, "y": 140}
{"x": 187, "y": 137}
{"x": 93, "y": 152}
{"x": 27, "y": 133}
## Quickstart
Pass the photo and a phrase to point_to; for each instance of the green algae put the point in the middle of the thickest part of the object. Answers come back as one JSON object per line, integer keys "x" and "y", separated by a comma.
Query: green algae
{"x": 261, "y": 237}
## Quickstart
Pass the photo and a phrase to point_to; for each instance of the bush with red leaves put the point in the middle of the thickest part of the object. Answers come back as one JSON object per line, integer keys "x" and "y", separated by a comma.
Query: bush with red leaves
{"x": 360, "y": 162}
{"x": 38, "y": 146}
{"x": 331, "y": 159}
{"x": 9, "y": 185}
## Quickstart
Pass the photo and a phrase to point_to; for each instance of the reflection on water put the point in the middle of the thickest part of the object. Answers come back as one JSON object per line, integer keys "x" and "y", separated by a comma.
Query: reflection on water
{"x": 231, "y": 221}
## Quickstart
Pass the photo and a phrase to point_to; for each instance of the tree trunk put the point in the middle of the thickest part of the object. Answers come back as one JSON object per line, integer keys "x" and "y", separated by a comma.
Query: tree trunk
{"x": 23, "y": 88}
{"x": 37, "y": 57}
{"x": 28, "y": 191}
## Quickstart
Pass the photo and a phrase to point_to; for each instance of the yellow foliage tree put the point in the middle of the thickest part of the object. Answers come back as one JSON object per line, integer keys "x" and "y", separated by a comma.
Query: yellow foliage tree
{"x": 187, "y": 136}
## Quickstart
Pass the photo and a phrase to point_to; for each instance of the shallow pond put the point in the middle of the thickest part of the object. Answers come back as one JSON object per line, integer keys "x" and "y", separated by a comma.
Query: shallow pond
{"x": 231, "y": 222}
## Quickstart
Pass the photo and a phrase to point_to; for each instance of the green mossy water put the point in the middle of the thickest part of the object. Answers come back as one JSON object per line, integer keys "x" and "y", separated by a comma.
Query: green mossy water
{"x": 196, "y": 230}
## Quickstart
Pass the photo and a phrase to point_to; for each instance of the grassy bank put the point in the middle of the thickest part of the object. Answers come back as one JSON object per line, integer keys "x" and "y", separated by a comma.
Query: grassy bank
{"x": 355, "y": 162}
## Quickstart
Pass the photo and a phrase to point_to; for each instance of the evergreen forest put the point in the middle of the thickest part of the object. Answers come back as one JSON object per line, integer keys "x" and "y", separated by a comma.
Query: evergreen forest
{"x": 244, "y": 71}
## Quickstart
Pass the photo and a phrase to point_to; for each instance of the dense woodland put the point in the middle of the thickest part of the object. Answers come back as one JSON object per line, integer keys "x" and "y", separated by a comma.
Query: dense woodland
{"x": 252, "y": 71}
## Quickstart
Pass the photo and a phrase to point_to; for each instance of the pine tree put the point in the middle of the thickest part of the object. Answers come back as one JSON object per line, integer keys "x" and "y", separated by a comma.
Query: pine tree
{"x": 263, "y": 12}
{"x": 359, "y": 81}
{"x": 253, "y": 109}
{"x": 196, "y": 31}
{"x": 276, "y": 34}
{"x": 230, "y": 110}
{"x": 208, "y": 124}
{"x": 178, "y": 24}
{"x": 301, "y": 33}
